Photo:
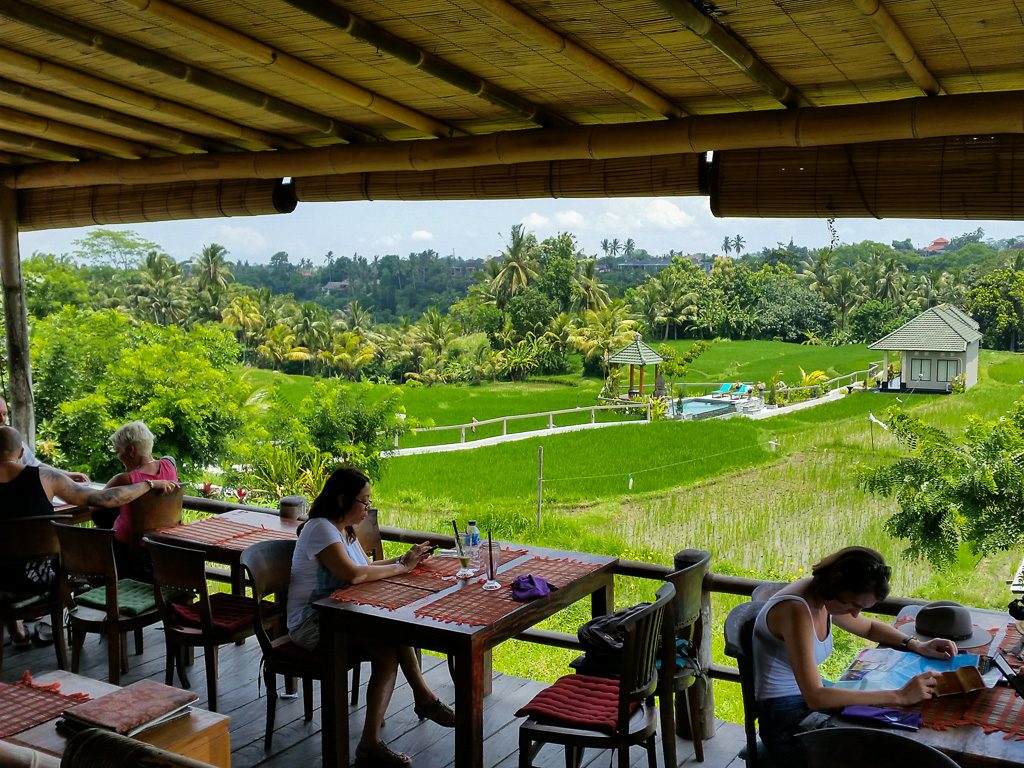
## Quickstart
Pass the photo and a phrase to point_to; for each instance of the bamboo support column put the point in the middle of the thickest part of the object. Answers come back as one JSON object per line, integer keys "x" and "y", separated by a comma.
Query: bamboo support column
{"x": 16, "y": 316}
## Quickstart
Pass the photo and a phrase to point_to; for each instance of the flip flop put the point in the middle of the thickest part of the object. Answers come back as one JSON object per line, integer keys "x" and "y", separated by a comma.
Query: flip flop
{"x": 43, "y": 633}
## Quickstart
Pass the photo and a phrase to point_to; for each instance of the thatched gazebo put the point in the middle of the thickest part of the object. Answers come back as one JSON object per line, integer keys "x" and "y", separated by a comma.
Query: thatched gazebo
{"x": 122, "y": 111}
{"x": 634, "y": 354}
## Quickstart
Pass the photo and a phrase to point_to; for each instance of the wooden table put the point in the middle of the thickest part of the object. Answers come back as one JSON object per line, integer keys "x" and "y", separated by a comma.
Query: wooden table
{"x": 467, "y": 645}
{"x": 969, "y": 745}
{"x": 79, "y": 513}
{"x": 228, "y": 552}
{"x": 201, "y": 735}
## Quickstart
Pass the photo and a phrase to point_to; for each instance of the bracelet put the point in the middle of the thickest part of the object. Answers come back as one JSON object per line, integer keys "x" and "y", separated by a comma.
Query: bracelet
{"x": 152, "y": 485}
{"x": 905, "y": 643}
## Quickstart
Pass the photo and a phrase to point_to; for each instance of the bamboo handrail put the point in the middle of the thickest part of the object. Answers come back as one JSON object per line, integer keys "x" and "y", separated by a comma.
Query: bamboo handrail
{"x": 290, "y": 66}
{"x": 414, "y": 56}
{"x": 592, "y": 63}
{"x": 148, "y": 59}
{"x": 247, "y": 138}
{"x": 894, "y": 36}
{"x": 920, "y": 117}
{"x": 723, "y": 41}
{"x": 513, "y": 417}
{"x": 169, "y": 138}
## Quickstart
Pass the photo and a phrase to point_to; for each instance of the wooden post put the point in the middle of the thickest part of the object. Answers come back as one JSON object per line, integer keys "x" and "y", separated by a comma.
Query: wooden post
{"x": 648, "y": 410}
{"x": 641, "y": 379}
{"x": 504, "y": 426}
{"x": 593, "y": 415}
{"x": 551, "y": 421}
{"x": 462, "y": 435}
{"x": 540, "y": 480}
{"x": 18, "y": 364}
{"x": 705, "y": 692}
{"x": 631, "y": 379}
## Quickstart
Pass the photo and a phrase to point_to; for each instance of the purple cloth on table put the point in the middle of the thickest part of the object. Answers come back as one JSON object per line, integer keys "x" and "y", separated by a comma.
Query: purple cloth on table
{"x": 893, "y": 718}
{"x": 527, "y": 586}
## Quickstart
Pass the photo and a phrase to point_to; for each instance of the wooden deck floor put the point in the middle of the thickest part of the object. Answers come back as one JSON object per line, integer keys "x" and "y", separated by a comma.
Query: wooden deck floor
{"x": 297, "y": 743}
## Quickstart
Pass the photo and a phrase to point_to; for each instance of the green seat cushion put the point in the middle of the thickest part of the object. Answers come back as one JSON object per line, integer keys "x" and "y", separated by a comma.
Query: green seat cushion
{"x": 134, "y": 597}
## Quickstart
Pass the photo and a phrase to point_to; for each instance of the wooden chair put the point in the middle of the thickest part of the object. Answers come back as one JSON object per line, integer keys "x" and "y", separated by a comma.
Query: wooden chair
{"x": 856, "y": 747}
{"x": 146, "y": 514}
{"x": 192, "y": 616}
{"x": 739, "y": 639}
{"x": 118, "y": 607}
{"x": 682, "y": 623}
{"x": 267, "y": 567}
{"x": 96, "y": 748}
{"x": 30, "y": 543}
{"x": 579, "y": 711}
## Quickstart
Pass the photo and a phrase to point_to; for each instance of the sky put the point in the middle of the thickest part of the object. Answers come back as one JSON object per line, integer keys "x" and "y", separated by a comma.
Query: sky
{"x": 470, "y": 229}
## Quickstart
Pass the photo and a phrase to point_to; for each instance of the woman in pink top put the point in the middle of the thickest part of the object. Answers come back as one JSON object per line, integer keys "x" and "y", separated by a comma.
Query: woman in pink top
{"x": 133, "y": 444}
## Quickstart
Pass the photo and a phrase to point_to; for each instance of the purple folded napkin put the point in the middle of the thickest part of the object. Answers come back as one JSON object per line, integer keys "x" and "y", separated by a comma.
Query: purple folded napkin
{"x": 527, "y": 587}
{"x": 892, "y": 718}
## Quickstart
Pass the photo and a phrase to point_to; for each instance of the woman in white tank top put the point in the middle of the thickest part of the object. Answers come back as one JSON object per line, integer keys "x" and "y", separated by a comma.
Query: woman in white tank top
{"x": 793, "y": 635}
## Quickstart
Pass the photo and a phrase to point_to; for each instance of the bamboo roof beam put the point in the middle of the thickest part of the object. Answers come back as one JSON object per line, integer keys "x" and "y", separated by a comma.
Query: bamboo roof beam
{"x": 735, "y": 50}
{"x": 22, "y": 122}
{"x": 956, "y": 115}
{"x": 894, "y": 36}
{"x": 39, "y": 149}
{"x": 149, "y": 59}
{"x": 168, "y": 138}
{"x": 286, "y": 64}
{"x": 593, "y": 64}
{"x": 414, "y": 56}
{"x": 32, "y": 68}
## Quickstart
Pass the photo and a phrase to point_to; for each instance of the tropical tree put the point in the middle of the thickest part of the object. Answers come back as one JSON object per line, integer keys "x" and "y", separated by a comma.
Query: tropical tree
{"x": 588, "y": 292}
{"x": 739, "y": 244}
{"x": 243, "y": 316}
{"x": 614, "y": 247}
{"x": 727, "y": 245}
{"x": 280, "y": 347}
{"x": 844, "y": 291}
{"x": 349, "y": 353}
{"x": 518, "y": 265}
{"x": 629, "y": 248}
{"x": 355, "y": 318}
{"x": 212, "y": 269}
{"x": 602, "y": 332}
{"x": 436, "y": 331}
{"x": 123, "y": 249}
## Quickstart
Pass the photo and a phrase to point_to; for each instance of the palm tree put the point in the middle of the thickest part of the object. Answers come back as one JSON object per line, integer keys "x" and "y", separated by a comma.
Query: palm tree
{"x": 311, "y": 327}
{"x": 212, "y": 269}
{"x": 606, "y": 246}
{"x": 604, "y": 330}
{"x": 280, "y": 347}
{"x": 680, "y": 304}
{"x": 844, "y": 291}
{"x": 588, "y": 290}
{"x": 727, "y": 245}
{"x": 436, "y": 331}
{"x": 355, "y": 318}
{"x": 349, "y": 353}
{"x": 615, "y": 247}
{"x": 738, "y": 244}
{"x": 891, "y": 281}
{"x": 244, "y": 316}
{"x": 629, "y": 248}
{"x": 518, "y": 267}
{"x": 817, "y": 273}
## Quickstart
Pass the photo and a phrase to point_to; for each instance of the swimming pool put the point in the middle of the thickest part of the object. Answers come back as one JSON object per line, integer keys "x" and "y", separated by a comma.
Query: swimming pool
{"x": 699, "y": 408}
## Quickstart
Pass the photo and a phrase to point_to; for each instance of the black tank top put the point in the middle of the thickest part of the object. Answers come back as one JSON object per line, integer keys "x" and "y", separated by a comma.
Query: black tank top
{"x": 24, "y": 496}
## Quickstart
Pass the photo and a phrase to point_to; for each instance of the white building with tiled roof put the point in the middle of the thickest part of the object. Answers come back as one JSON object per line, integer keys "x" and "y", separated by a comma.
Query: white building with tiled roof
{"x": 940, "y": 343}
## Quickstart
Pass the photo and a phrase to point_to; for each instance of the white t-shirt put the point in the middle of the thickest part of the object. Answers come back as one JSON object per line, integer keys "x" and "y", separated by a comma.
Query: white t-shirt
{"x": 311, "y": 581}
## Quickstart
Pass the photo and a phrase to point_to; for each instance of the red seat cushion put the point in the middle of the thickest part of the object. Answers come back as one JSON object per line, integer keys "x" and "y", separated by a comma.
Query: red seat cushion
{"x": 229, "y": 612}
{"x": 286, "y": 650}
{"x": 578, "y": 701}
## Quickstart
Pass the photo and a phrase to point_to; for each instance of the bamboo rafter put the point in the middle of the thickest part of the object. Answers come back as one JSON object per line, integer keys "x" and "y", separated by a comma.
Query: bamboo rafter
{"x": 900, "y": 44}
{"x": 722, "y": 40}
{"x": 435, "y": 66}
{"x": 148, "y": 59}
{"x": 592, "y": 63}
{"x": 72, "y": 135}
{"x": 37, "y": 148}
{"x": 332, "y": 85}
{"x": 246, "y": 138}
{"x": 168, "y": 138}
{"x": 921, "y": 117}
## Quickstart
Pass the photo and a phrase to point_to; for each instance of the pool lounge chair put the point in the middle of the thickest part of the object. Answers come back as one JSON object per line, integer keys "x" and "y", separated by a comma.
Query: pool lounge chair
{"x": 723, "y": 390}
{"x": 744, "y": 391}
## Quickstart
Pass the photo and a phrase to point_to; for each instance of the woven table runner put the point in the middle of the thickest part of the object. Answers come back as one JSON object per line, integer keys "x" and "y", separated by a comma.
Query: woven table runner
{"x": 437, "y": 573}
{"x": 993, "y": 709}
{"x": 475, "y": 606}
{"x": 1013, "y": 646}
{"x": 25, "y": 705}
{"x": 224, "y": 533}
{"x": 380, "y": 594}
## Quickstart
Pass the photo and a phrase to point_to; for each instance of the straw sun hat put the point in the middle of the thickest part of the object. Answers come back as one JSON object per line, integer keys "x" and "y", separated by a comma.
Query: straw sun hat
{"x": 951, "y": 621}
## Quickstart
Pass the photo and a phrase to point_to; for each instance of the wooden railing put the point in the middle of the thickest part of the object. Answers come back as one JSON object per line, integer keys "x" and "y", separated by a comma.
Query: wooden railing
{"x": 504, "y": 420}
{"x": 713, "y": 583}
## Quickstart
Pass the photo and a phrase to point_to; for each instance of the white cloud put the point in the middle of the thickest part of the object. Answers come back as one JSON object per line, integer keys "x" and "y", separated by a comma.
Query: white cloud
{"x": 571, "y": 219}
{"x": 643, "y": 215}
{"x": 386, "y": 241}
{"x": 242, "y": 242}
{"x": 422, "y": 236}
{"x": 536, "y": 220}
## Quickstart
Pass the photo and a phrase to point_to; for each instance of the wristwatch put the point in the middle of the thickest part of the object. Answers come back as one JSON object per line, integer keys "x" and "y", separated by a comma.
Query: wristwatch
{"x": 905, "y": 642}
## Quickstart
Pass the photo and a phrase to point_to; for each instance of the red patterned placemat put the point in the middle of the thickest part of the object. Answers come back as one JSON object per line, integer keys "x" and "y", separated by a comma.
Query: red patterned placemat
{"x": 447, "y": 566}
{"x": 1013, "y": 646}
{"x": 558, "y": 571}
{"x": 380, "y": 594}
{"x": 209, "y": 530}
{"x": 993, "y": 709}
{"x": 25, "y": 705}
{"x": 255, "y": 536}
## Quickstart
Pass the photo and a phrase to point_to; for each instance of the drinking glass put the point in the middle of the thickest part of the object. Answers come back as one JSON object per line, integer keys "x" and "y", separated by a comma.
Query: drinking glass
{"x": 469, "y": 556}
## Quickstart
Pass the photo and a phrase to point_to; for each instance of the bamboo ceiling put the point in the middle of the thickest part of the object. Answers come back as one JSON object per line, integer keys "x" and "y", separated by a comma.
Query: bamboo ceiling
{"x": 102, "y": 93}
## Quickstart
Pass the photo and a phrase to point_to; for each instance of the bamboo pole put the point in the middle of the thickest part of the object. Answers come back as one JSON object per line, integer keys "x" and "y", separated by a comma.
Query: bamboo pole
{"x": 169, "y": 138}
{"x": 16, "y": 316}
{"x": 723, "y": 41}
{"x": 36, "y": 69}
{"x": 40, "y": 149}
{"x": 279, "y": 61}
{"x": 414, "y": 56}
{"x": 22, "y": 122}
{"x": 149, "y": 59}
{"x": 894, "y": 36}
{"x": 921, "y": 117}
{"x": 591, "y": 63}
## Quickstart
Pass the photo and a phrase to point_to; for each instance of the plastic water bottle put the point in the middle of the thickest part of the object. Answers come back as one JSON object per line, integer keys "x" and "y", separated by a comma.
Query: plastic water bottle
{"x": 474, "y": 543}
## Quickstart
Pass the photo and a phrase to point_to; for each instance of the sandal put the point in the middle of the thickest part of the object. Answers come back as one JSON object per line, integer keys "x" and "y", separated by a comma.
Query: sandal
{"x": 380, "y": 755}
{"x": 43, "y": 633}
{"x": 437, "y": 712}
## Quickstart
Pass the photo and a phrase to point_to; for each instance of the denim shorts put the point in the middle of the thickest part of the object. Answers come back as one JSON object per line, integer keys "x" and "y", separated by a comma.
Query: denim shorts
{"x": 779, "y": 720}
{"x": 307, "y": 634}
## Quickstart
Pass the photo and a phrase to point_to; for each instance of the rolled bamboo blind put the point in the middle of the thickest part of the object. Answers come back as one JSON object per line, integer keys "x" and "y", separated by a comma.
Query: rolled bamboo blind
{"x": 965, "y": 177}
{"x": 681, "y": 174}
{"x": 111, "y": 204}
